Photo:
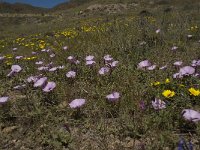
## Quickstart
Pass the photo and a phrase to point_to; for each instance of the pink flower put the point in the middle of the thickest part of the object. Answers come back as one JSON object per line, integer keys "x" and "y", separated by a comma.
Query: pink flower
{"x": 71, "y": 74}
{"x": 3, "y": 100}
{"x": 41, "y": 82}
{"x": 77, "y": 103}
{"x": 113, "y": 97}
{"x": 158, "y": 104}
{"x": 49, "y": 87}
{"x": 191, "y": 115}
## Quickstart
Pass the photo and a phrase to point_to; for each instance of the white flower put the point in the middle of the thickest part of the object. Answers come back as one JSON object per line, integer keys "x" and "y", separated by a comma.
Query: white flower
{"x": 158, "y": 104}
{"x": 113, "y": 96}
{"x": 71, "y": 74}
{"x": 41, "y": 82}
{"x": 191, "y": 115}
{"x": 3, "y": 100}
{"x": 77, "y": 103}
{"x": 49, "y": 87}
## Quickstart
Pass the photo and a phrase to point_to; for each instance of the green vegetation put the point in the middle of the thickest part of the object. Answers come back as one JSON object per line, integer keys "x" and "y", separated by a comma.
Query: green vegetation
{"x": 162, "y": 32}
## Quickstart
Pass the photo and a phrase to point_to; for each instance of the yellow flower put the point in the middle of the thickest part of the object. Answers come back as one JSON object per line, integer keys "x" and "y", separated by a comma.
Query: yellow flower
{"x": 168, "y": 93}
{"x": 155, "y": 83}
{"x": 194, "y": 92}
{"x": 167, "y": 80}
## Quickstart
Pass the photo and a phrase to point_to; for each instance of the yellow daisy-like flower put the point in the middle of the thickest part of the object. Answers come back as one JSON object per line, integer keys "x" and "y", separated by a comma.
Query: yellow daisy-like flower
{"x": 168, "y": 93}
{"x": 194, "y": 92}
{"x": 167, "y": 80}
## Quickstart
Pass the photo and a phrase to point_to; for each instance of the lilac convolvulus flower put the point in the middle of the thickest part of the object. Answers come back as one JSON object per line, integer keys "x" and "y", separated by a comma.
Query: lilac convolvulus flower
{"x": 151, "y": 67}
{"x": 3, "y": 100}
{"x": 19, "y": 87}
{"x": 113, "y": 97}
{"x": 53, "y": 69}
{"x": 71, "y": 74}
{"x": 187, "y": 70}
{"x": 49, "y": 87}
{"x": 178, "y": 63}
{"x": 104, "y": 70}
{"x": 174, "y": 48}
{"x": 77, "y": 103}
{"x": 18, "y": 57}
{"x": 43, "y": 68}
{"x": 144, "y": 64}
{"x": 14, "y": 69}
{"x": 107, "y": 58}
{"x": 158, "y": 104}
{"x": 40, "y": 82}
{"x": 39, "y": 62}
{"x": 65, "y": 48}
{"x": 191, "y": 115}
